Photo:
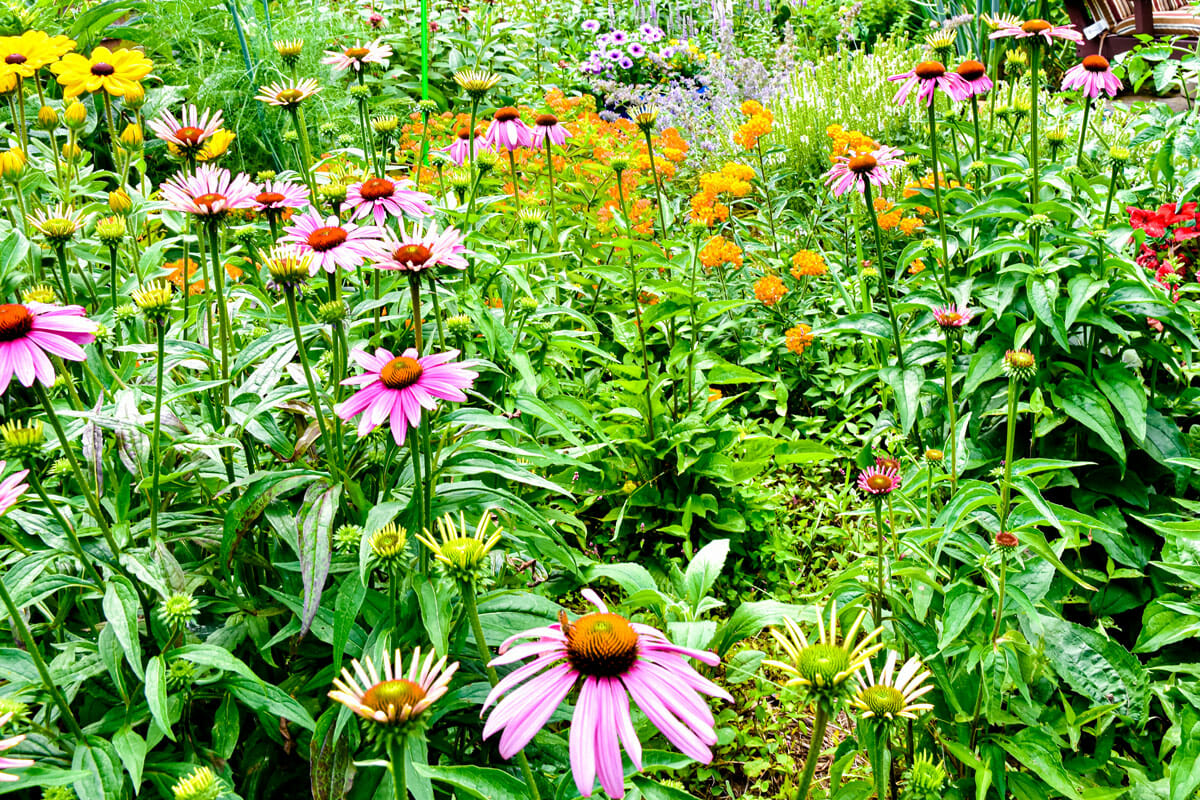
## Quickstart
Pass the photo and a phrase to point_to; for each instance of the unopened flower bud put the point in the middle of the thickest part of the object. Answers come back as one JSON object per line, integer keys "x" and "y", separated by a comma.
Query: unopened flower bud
{"x": 385, "y": 124}
{"x": 76, "y": 116}
{"x": 22, "y": 441}
{"x": 1020, "y": 364}
{"x": 119, "y": 202}
{"x": 459, "y": 325}
{"x": 135, "y": 97}
{"x": 110, "y": 231}
{"x": 132, "y": 137}
{"x": 332, "y": 311}
{"x": 1006, "y": 541}
{"x": 1118, "y": 154}
{"x": 154, "y": 299}
{"x": 47, "y": 118}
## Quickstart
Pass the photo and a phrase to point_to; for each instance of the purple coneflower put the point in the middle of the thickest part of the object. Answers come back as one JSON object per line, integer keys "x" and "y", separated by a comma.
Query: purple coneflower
{"x": 355, "y": 57}
{"x": 212, "y": 192}
{"x": 975, "y": 76}
{"x": 548, "y": 127}
{"x": 508, "y": 130}
{"x": 857, "y": 171}
{"x": 11, "y": 489}
{"x": 460, "y": 149}
{"x": 927, "y": 77}
{"x": 613, "y": 659}
{"x": 275, "y": 196}
{"x": 190, "y": 131}
{"x": 29, "y": 332}
{"x": 289, "y": 94}
{"x": 331, "y": 243}
{"x": 952, "y": 316}
{"x": 382, "y": 198}
{"x": 392, "y": 697}
{"x": 422, "y": 249}
{"x": 879, "y": 480}
{"x": 396, "y": 388}
{"x": 1092, "y": 76}
{"x": 1036, "y": 27}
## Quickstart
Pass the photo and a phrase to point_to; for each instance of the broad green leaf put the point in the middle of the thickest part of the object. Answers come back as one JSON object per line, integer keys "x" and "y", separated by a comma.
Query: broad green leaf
{"x": 1166, "y": 621}
{"x": 1042, "y": 757}
{"x": 131, "y": 749}
{"x": 475, "y": 781}
{"x": 1096, "y": 667}
{"x": 1127, "y": 394}
{"x": 315, "y": 522}
{"x": 906, "y": 386}
{"x": 1184, "y": 768}
{"x": 704, "y": 570}
{"x": 121, "y": 610}
{"x": 156, "y": 695}
{"x": 1085, "y": 404}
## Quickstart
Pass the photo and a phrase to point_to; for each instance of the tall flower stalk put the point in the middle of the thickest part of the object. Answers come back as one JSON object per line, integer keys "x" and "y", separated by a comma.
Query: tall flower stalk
{"x": 1020, "y": 366}
{"x": 951, "y": 319}
{"x": 155, "y": 302}
{"x": 619, "y": 167}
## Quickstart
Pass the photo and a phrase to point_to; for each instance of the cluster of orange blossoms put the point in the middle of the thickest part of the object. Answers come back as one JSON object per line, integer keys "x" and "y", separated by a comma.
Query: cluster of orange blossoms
{"x": 892, "y": 218}
{"x": 798, "y": 338}
{"x": 808, "y": 264}
{"x": 732, "y": 181}
{"x": 757, "y": 125}
{"x": 912, "y": 188}
{"x": 176, "y": 275}
{"x": 852, "y": 143}
{"x": 769, "y": 289}
{"x": 719, "y": 251}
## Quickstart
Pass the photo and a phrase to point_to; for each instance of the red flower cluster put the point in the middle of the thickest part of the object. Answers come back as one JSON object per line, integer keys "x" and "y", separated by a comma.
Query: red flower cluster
{"x": 1170, "y": 248}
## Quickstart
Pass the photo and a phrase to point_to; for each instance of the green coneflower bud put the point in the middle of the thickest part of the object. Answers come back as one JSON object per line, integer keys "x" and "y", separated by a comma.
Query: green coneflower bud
{"x": 180, "y": 674}
{"x": 264, "y": 175}
{"x": 384, "y": 125}
{"x": 485, "y": 161}
{"x": 1039, "y": 221}
{"x": 464, "y": 556}
{"x": 476, "y": 82}
{"x": 332, "y": 311}
{"x": 177, "y": 610}
{"x": 644, "y": 117}
{"x": 346, "y": 139}
{"x": 869, "y": 273}
{"x": 924, "y": 779}
{"x": 125, "y": 312}
{"x": 110, "y": 231}
{"x": 289, "y": 51}
{"x": 288, "y": 267}
{"x": 39, "y": 294}
{"x": 1020, "y": 364}
{"x": 22, "y": 441}
{"x": 360, "y": 92}
{"x": 76, "y": 116}
{"x": 18, "y": 710}
{"x": 977, "y": 170}
{"x": 427, "y": 106}
{"x": 387, "y": 545}
{"x": 328, "y": 129}
{"x": 1021, "y": 106}
{"x": 47, "y": 118}
{"x": 333, "y": 193}
{"x": 1056, "y": 135}
{"x": 246, "y": 235}
{"x": 1118, "y": 154}
{"x": 460, "y": 180}
{"x": 202, "y": 784}
{"x": 59, "y": 468}
{"x": 531, "y": 218}
{"x": 154, "y": 300}
{"x": 527, "y": 304}
{"x": 58, "y": 793}
{"x": 459, "y": 325}
{"x": 347, "y": 537}
{"x": 1016, "y": 59}
{"x": 119, "y": 202}
{"x": 103, "y": 334}
{"x": 618, "y": 163}
{"x": 290, "y": 136}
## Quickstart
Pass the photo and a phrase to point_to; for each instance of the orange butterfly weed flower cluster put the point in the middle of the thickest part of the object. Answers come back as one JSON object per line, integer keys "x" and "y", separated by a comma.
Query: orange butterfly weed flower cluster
{"x": 731, "y": 181}
{"x": 769, "y": 289}
{"x": 808, "y": 264}
{"x": 798, "y": 337}
{"x": 719, "y": 250}
{"x": 891, "y": 218}
{"x": 176, "y": 275}
{"x": 757, "y": 125}
{"x": 913, "y": 188}
{"x": 846, "y": 142}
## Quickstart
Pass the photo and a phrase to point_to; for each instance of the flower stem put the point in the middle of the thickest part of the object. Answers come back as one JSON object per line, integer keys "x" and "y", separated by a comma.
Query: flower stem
{"x": 637, "y": 312}
{"x": 885, "y": 275}
{"x": 550, "y": 187}
{"x": 214, "y": 238}
{"x": 877, "y": 601}
{"x": 396, "y": 747}
{"x": 762, "y": 168}
{"x": 937, "y": 195}
{"x": 471, "y": 607}
{"x": 305, "y": 151}
{"x": 975, "y": 120}
{"x": 35, "y": 653}
{"x": 1087, "y": 109}
{"x": 1009, "y": 442}
{"x": 72, "y": 537}
{"x": 816, "y": 741}
{"x": 662, "y": 208}
{"x": 314, "y": 398}
{"x": 1035, "y": 64}
{"x": 1112, "y": 188}
{"x": 952, "y": 412}
{"x": 160, "y": 326}
{"x": 418, "y": 499}
{"x": 512, "y": 163}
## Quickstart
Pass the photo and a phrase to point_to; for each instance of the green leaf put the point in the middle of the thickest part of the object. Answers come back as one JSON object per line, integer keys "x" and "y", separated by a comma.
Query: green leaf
{"x": 906, "y": 385}
{"x": 1042, "y": 293}
{"x": 1041, "y": 756}
{"x": 156, "y": 695}
{"x": 750, "y": 618}
{"x": 131, "y": 749}
{"x": 330, "y": 772}
{"x": 121, "y": 610}
{"x": 632, "y": 578}
{"x": 1127, "y": 395}
{"x": 724, "y": 372}
{"x": 244, "y": 684}
{"x": 1085, "y": 404}
{"x": 866, "y": 324}
{"x": 1184, "y": 768}
{"x": 350, "y": 595}
{"x": 1096, "y": 667}
{"x": 99, "y": 760}
{"x": 1166, "y": 621}
{"x": 742, "y": 666}
{"x": 476, "y": 781}
{"x": 704, "y": 570}
{"x": 802, "y": 452}
{"x": 316, "y": 550}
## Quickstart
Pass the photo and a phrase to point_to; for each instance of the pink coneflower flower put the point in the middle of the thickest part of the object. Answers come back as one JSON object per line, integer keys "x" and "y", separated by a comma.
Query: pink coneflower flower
{"x": 927, "y": 77}
{"x": 856, "y": 171}
{"x": 331, "y": 243}
{"x": 212, "y": 192}
{"x": 382, "y": 198}
{"x": 975, "y": 76}
{"x": 952, "y": 316}
{"x": 190, "y": 131}
{"x": 879, "y": 480}
{"x": 1036, "y": 27}
{"x": 28, "y": 331}
{"x": 422, "y": 249}
{"x": 8, "y": 744}
{"x": 460, "y": 149}
{"x": 355, "y": 57}
{"x": 548, "y": 126}
{"x": 396, "y": 388}
{"x": 1092, "y": 76}
{"x": 11, "y": 489}
{"x": 393, "y": 698}
{"x": 289, "y": 94}
{"x": 508, "y": 130}
{"x": 614, "y": 659}
{"x": 275, "y": 196}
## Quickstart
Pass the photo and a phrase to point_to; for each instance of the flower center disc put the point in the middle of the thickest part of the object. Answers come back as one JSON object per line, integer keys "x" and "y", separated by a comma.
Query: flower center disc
{"x": 884, "y": 701}
{"x": 414, "y": 254}
{"x": 507, "y": 114}
{"x": 15, "y": 321}
{"x": 950, "y": 318}
{"x": 601, "y": 645}
{"x": 324, "y": 239}
{"x": 861, "y": 164}
{"x": 822, "y": 663}
{"x": 1036, "y": 26}
{"x": 464, "y": 552}
{"x": 401, "y": 373}
{"x": 101, "y": 68}
{"x": 357, "y": 52}
{"x": 377, "y": 189}
{"x": 547, "y": 120}
{"x": 393, "y": 694}
{"x": 1095, "y": 63}
{"x": 269, "y": 198}
{"x": 210, "y": 201}
{"x": 189, "y": 135}
{"x": 971, "y": 70}
{"x": 290, "y": 96}
{"x": 15, "y": 58}
{"x": 879, "y": 482}
{"x": 928, "y": 70}
{"x": 464, "y": 133}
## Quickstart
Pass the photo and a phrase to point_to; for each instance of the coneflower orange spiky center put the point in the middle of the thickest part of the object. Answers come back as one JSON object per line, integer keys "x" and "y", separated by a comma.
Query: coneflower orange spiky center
{"x": 928, "y": 70}
{"x": 15, "y": 321}
{"x": 506, "y": 114}
{"x": 971, "y": 70}
{"x": 1036, "y": 26}
{"x": 862, "y": 163}
{"x": 325, "y": 239}
{"x": 401, "y": 372}
{"x": 415, "y": 254}
{"x": 377, "y": 189}
{"x": 269, "y": 198}
{"x": 1095, "y": 63}
{"x": 547, "y": 120}
{"x": 357, "y": 52}
{"x": 600, "y": 645}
